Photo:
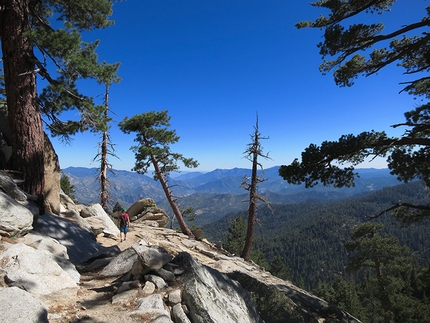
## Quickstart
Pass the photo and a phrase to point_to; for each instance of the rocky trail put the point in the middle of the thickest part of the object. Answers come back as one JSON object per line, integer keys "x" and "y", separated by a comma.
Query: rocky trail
{"x": 96, "y": 299}
{"x": 93, "y": 303}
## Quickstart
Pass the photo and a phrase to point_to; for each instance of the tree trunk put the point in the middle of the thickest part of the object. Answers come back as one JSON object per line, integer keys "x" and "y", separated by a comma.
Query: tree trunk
{"x": 103, "y": 173}
{"x": 246, "y": 253}
{"x": 172, "y": 203}
{"x": 104, "y": 153}
{"x": 21, "y": 92}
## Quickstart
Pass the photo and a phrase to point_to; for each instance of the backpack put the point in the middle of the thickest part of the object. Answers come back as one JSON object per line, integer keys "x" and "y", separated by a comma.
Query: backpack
{"x": 123, "y": 219}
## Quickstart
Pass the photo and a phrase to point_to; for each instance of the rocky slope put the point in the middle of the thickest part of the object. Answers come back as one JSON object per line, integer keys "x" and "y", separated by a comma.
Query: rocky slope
{"x": 63, "y": 272}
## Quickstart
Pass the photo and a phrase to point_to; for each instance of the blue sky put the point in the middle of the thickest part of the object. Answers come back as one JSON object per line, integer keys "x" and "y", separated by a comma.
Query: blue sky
{"x": 215, "y": 64}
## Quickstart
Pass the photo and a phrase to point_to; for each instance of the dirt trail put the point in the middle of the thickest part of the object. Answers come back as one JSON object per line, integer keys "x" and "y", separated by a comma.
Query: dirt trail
{"x": 93, "y": 302}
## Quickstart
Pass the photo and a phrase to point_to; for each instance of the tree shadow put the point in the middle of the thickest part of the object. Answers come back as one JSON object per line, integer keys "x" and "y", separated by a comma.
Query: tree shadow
{"x": 80, "y": 244}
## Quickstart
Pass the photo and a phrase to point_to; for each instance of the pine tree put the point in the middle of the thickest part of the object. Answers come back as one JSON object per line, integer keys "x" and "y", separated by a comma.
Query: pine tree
{"x": 117, "y": 208}
{"x": 106, "y": 76}
{"x": 387, "y": 297}
{"x": 25, "y": 29}
{"x": 351, "y": 47}
{"x": 154, "y": 140}
{"x": 67, "y": 187}
{"x": 280, "y": 269}
{"x": 235, "y": 237}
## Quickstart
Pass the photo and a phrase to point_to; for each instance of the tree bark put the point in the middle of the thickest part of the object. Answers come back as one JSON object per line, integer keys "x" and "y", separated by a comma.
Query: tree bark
{"x": 104, "y": 155}
{"x": 22, "y": 100}
{"x": 246, "y": 253}
{"x": 169, "y": 196}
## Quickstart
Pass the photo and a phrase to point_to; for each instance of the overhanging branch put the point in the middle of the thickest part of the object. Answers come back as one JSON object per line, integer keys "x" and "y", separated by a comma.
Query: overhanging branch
{"x": 399, "y": 205}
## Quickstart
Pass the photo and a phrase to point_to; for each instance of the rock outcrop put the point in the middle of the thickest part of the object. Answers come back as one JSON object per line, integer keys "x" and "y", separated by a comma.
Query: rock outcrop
{"x": 52, "y": 177}
{"x": 15, "y": 218}
{"x": 36, "y": 272}
{"x": 25, "y": 307}
{"x": 226, "y": 301}
{"x": 146, "y": 210}
{"x": 81, "y": 245}
{"x": 99, "y": 220}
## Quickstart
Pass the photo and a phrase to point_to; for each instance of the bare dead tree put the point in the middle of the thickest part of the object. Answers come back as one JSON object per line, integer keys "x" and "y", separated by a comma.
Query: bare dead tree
{"x": 252, "y": 153}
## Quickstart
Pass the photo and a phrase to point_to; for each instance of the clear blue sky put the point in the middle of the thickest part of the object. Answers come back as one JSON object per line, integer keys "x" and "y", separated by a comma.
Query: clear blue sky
{"x": 215, "y": 64}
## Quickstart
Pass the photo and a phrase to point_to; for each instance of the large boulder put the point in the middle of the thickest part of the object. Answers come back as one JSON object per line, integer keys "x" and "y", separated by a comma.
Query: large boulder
{"x": 73, "y": 215}
{"x": 80, "y": 244}
{"x": 146, "y": 210}
{"x": 54, "y": 250}
{"x": 152, "y": 258}
{"x": 290, "y": 300}
{"x": 121, "y": 264}
{"x": 227, "y": 301}
{"x": 52, "y": 177}
{"x": 144, "y": 258}
{"x": 151, "y": 309}
{"x": 15, "y": 219}
{"x": 98, "y": 219}
{"x": 19, "y": 306}
{"x": 36, "y": 272}
{"x": 8, "y": 185}
{"x": 70, "y": 211}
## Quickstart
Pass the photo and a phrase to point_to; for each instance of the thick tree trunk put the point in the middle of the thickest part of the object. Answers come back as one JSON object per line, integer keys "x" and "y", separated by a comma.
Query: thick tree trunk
{"x": 22, "y": 101}
{"x": 169, "y": 196}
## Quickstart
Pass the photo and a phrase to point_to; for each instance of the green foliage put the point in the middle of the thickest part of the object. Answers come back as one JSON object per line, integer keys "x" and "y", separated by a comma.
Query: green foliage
{"x": 154, "y": 140}
{"x": 407, "y": 155}
{"x": 395, "y": 296}
{"x": 56, "y": 32}
{"x": 67, "y": 187}
{"x": 235, "y": 237}
{"x": 259, "y": 258}
{"x": 346, "y": 42}
{"x": 117, "y": 208}
{"x": 189, "y": 214}
{"x": 346, "y": 296}
{"x": 279, "y": 269}
{"x": 310, "y": 236}
{"x": 317, "y": 161}
{"x": 235, "y": 241}
{"x": 368, "y": 249}
{"x": 388, "y": 283}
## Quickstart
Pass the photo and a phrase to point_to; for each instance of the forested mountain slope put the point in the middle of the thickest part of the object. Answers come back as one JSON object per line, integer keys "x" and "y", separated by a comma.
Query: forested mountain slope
{"x": 202, "y": 191}
{"x": 310, "y": 237}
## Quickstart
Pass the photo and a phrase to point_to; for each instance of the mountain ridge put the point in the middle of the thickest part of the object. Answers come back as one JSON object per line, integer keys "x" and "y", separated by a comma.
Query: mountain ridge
{"x": 199, "y": 189}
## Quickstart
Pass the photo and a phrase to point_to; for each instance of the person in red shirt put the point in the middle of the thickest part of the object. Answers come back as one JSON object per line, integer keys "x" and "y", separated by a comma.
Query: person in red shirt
{"x": 124, "y": 223}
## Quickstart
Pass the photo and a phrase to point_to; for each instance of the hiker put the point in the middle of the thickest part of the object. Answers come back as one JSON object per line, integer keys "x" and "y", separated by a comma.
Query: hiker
{"x": 124, "y": 223}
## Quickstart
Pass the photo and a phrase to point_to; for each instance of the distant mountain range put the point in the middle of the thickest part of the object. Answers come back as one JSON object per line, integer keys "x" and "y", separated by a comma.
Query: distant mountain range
{"x": 217, "y": 192}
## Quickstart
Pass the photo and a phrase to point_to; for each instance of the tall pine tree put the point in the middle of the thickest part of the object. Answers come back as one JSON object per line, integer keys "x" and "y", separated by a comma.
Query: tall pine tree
{"x": 37, "y": 35}
{"x": 154, "y": 140}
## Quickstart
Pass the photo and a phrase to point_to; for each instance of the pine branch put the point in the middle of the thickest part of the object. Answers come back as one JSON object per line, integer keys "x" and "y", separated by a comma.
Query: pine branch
{"x": 399, "y": 205}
